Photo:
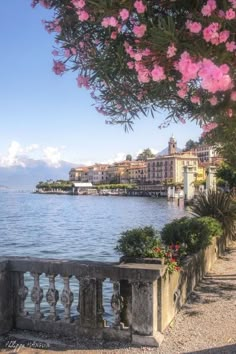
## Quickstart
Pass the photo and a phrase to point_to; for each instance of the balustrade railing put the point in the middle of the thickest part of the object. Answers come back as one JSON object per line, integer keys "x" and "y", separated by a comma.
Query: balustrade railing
{"x": 134, "y": 300}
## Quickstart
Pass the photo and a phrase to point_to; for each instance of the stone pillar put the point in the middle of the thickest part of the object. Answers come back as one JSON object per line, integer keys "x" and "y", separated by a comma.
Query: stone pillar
{"x": 145, "y": 314}
{"x": 189, "y": 178}
{"x": 6, "y": 301}
{"x": 211, "y": 178}
{"x": 91, "y": 303}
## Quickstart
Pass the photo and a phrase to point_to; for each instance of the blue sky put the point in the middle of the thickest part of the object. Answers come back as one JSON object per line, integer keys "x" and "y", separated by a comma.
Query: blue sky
{"x": 44, "y": 115}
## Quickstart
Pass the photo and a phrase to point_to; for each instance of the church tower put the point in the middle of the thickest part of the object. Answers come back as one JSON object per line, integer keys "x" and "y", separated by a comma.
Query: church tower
{"x": 172, "y": 146}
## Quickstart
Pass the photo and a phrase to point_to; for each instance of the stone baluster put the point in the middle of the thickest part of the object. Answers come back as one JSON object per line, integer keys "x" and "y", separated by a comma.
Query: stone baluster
{"x": 145, "y": 314}
{"x": 37, "y": 296}
{"x": 52, "y": 297}
{"x": 117, "y": 305}
{"x": 22, "y": 293}
{"x": 67, "y": 299}
{"x": 90, "y": 304}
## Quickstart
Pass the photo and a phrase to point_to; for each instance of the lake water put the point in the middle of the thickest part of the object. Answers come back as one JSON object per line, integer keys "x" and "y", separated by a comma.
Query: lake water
{"x": 74, "y": 227}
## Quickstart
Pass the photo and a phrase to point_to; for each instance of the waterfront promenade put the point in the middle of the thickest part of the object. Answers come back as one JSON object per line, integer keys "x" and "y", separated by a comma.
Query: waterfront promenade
{"x": 206, "y": 324}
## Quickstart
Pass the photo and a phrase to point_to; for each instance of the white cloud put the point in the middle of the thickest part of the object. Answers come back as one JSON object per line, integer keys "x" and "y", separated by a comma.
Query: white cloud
{"x": 17, "y": 155}
{"x": 32, "y": 147}
{"x": 120, "y": 156}
{"x": 12, "y": 157}
{"x": 52, "y": 156}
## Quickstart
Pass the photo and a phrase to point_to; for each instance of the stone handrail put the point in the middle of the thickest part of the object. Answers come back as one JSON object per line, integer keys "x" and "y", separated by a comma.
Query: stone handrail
{"x": 134, "y": 301}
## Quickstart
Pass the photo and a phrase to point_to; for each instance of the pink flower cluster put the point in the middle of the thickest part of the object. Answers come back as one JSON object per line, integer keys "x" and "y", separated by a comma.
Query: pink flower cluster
{"x": 209, "y": 8}
{"x": 171, "y": 51}
{"x": 211, "y": 34}
{"x": 187, "y": 67}
{"x": 58, "y": 67}
{"x": 109, "y": 21}
{"x": 83, "y": 15}
{"x": 214, "y": 78}
{"x": 140, "y": 7}
{"x": 83, "y": 81}
{"x": 194, "y": 27}
{"x": 52, "y": 26}
{"x": 209, "y": 127}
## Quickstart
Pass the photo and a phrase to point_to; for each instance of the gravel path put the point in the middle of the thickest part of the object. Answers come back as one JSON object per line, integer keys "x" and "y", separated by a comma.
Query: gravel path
{"x": 206, "y": 324}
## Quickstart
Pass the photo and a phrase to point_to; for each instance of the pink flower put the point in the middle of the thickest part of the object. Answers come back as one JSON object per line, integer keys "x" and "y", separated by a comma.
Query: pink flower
{"x": 209, "y": 126}
{"x": 230, "y": 14}
{"x": 58, "y": 67}
{"x": 187, "y": 67}
{"x": 139, "y": 6}
{"x": 113, "y": 35}
{"x": 221, "y": 14}
{"x": 146, "y": 52}
{"x": 223, "y": 36}
{"x": 83, "y": 15}
{"x": 182, "y": 93}
{"x": 55, "y": 53}
{"x": 210, "y": 33}
{"x": 130, "y": 65}
{"x": 194, "y": 27}
{"x": 213, "y": 101}
{"x": 67, "y": 53}
{"x": 78, "y": 4}
{"x": 109, "y": 21}
{"x": 138, "y": 56}
{"x": 158, "y": 73}
{"x": 143, "y": 73}
{"x": 195, "y": 99}
{"x": 233, "y": 3}
{"x": 83, "y": 81}
{"x": 124, "y": 14}
{"x": 45, "y": 4}
{"x": 73, "y": 51}
{"x": 233, "y": 96}
{"x": 105, "y": 22}
{"x": 171, "y": 51}
{"x": 209, "y": 8}
{"x": 113, "y": 21}
{"x": 139, "y": 30}
{"x": 230, "y": 46}
{"x": 206, "y": 10}
{"x": 214, "y": 78}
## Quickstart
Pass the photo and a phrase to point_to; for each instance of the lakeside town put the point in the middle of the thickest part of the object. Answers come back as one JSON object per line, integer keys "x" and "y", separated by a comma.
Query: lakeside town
{"x": 148, "y": 175}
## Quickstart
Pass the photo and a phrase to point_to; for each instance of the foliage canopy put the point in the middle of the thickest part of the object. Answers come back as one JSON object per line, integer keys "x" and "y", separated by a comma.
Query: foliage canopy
{"x": 138, "y": 56}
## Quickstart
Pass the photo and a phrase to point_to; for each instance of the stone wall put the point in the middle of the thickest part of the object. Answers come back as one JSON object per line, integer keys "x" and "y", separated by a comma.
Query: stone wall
{"x": 174, "y": 289}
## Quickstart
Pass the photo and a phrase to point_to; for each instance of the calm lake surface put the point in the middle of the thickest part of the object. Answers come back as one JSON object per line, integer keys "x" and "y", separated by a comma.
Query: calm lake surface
{"x": 75, "y": 227}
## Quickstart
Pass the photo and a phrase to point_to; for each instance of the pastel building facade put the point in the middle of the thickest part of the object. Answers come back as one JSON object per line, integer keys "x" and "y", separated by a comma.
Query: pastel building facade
{"x": 170, "y": 168}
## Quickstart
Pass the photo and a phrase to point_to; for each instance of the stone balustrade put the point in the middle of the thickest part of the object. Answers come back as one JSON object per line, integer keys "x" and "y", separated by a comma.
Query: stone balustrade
{"x": 144, "y": 301}
{"x": 134, "y": 300}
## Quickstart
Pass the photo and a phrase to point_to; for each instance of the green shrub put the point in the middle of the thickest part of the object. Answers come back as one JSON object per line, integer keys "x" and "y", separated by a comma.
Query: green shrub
{"x": 195, "y": 233}
{"x": 218, "y": 205}
{"x": 138, "y": 242}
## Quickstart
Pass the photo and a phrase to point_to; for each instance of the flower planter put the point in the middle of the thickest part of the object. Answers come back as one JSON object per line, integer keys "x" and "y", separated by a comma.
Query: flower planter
{"x": 145, "y": 260}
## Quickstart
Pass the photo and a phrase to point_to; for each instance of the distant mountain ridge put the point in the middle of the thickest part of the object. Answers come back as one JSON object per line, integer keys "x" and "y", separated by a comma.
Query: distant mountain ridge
{"x": 165, "y": 151}
{"x": 26, "y": 178}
